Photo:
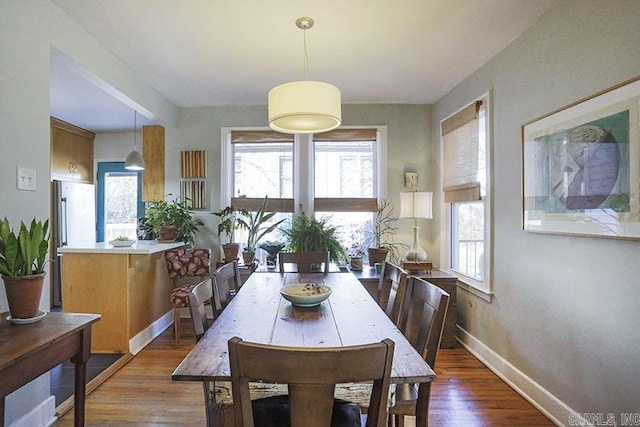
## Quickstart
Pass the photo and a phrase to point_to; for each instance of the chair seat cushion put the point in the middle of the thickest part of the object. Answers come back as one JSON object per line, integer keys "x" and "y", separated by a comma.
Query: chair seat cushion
{"x": 274, "y": 412}
{"x": 179, "y": 296}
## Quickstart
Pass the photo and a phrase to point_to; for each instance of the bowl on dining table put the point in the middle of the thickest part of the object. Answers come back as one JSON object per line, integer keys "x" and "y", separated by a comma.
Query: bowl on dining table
{"x": 305, "y": 294}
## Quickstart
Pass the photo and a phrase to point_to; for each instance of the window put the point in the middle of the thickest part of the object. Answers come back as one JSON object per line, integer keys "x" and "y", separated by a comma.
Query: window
{"x": 119, "y": 201}
{"x": 336, "y": 173}
{"x": 465, "y": 142}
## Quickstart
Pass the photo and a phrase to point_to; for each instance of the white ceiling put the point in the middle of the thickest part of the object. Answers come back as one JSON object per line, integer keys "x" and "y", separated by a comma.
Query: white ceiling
{"x": 231, "y": 52}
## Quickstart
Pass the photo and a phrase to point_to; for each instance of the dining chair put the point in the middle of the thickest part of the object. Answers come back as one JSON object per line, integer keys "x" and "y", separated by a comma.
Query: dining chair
{"x": 185, "y": 263}
{"x": 311, "y": 374}
{"x": 424, "y": 310}
{"x": 304, "y": 260}
{"x": 227, "y": 282}
{"x": 391, "y": 290}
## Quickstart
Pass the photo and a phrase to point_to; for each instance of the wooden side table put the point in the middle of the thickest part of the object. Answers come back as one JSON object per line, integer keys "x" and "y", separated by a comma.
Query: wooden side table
{"x": 445, "y": 281}
{"x": 28, "y": 351}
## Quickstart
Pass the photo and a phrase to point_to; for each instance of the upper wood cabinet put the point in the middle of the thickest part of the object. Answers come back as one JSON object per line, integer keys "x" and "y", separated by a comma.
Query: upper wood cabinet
{"x": 153, "y": 155}
{"x": 71, "y": 152}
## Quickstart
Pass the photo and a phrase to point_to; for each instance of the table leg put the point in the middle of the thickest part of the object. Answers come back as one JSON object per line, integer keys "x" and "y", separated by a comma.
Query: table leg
{"x": 422, "y": 405}
{"x": 80, "y": 363}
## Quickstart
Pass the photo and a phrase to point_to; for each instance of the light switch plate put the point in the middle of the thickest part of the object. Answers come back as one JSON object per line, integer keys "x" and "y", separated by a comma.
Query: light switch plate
{"x": 26, "y": 179}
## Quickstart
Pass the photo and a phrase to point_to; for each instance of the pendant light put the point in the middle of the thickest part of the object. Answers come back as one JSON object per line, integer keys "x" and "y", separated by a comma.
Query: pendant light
{"x": 304, "y": 106}
{"x": 134, "y": 161}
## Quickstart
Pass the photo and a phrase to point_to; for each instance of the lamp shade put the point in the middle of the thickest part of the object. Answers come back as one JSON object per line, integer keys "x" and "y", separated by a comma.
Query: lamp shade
{"x": 304, "y": 107}
{"x": 415, "y": 204}
{"x": 134, "y": 161}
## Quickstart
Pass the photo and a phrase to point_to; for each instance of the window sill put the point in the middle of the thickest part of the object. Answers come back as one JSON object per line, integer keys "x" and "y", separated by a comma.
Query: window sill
{"x": 480, "y": 293}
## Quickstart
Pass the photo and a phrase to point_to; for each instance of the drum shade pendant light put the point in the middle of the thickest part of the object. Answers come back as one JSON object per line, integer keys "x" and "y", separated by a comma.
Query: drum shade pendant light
{"x": 304, "y": 106}
{"x": 134, "y": 161}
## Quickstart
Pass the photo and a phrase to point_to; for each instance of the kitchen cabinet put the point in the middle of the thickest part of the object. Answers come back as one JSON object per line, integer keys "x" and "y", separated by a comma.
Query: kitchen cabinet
{"x": 153, "y": 155}
{"x": 71, "y": 152}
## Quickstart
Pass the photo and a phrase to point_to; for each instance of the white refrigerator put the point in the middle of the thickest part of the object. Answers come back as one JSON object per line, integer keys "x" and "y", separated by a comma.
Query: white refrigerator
{"x": 74, "y": 224}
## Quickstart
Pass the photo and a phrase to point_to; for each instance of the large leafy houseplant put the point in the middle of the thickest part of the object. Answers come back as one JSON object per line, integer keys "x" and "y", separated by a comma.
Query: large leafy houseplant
{"x": 307, "y": 234}
{"x": 255, "y": 224}
{"x": 164, "y": 216}
{"x": 22, "y": 261}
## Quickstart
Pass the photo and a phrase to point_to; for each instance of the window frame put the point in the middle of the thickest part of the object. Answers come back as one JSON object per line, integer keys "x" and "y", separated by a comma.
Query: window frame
{"x": 483, "y": 288}
{"x": 303, "y": 158}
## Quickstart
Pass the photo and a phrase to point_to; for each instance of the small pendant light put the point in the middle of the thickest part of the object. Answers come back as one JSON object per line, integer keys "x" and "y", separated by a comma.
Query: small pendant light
{"x": 134, "y": 161}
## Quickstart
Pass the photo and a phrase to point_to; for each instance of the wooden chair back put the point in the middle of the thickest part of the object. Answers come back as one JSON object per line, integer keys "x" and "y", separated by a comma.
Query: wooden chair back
{"x": 227, "y": 283}
{"x": 391, "y": 291}
{"x": 311, "y": 374}
{"x": 424, "y": 310}
{"x": 304, "y": 260}
{"x": 199, "y": 295}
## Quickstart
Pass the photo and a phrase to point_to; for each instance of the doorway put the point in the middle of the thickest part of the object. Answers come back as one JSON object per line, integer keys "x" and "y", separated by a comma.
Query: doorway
{"x": 119, "y": 201}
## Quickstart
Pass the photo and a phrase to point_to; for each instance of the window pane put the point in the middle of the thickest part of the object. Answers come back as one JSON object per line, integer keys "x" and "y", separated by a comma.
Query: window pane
{"x": 121, "y": 205}
{"x": 467, "y": 232}
{"x": 345, "y": 169}
{"x": 351, "y": 227}
{"x": 263, "y": 169}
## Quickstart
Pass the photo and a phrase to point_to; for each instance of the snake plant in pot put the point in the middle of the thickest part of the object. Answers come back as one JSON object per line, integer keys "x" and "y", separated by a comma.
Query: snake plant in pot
{"x": 22, "y": 261}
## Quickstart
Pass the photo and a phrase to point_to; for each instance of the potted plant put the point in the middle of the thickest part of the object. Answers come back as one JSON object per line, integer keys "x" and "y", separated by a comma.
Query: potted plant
{"x": 272, "y": 249}
{"x": 229, "y": 217}
{"x": 22, "y": 261}
{"x": 172, "y": 220}
{"x": 379, "y": 234}
{"x": 255, "y": 224}
{"x": 306, "y": 234}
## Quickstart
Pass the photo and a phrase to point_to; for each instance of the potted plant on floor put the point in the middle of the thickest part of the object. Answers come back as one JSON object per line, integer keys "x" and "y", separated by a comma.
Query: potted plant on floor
{"x": 228, "y": 224}
{"x": 173, "y": 220}
{"x": 255, "y": 224}
{"x": 379, "y": 234}
{"x": 306, "y": 234}
{"x": 22, "y": 261}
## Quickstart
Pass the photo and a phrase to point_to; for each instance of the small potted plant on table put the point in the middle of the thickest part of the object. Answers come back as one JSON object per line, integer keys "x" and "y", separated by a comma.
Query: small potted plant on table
{"x": 379, "y": 234}
{"x": 22, "y": 261}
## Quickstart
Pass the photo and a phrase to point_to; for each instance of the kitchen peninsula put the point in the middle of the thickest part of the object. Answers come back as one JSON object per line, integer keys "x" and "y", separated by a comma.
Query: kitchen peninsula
{"x": 128, "y": 287}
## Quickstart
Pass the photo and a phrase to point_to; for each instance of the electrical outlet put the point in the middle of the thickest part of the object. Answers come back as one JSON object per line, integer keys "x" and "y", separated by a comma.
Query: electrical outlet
{"x": 26, "y": 179}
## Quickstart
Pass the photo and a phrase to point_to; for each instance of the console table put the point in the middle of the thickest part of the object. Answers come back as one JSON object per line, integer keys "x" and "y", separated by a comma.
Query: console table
{"x": 445, "y": 281}
{"x": 28, "y": 351}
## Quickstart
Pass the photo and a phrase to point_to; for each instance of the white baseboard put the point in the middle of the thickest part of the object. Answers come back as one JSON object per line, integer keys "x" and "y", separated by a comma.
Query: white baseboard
{"x": 42, "y": 415}
{"x": 142, "y": 339}
{"x": 552, "y": 407}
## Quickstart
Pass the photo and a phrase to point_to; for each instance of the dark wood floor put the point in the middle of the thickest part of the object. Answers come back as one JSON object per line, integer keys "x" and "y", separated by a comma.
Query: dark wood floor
{"x": 466, "y": 394}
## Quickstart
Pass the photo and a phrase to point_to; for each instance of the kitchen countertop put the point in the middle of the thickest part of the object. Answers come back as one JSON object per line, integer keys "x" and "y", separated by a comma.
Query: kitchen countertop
{"x": 141, "y": 247}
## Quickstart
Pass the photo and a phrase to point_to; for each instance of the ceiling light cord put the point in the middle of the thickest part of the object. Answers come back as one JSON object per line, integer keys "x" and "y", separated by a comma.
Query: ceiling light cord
{"x": 306, "y": 55}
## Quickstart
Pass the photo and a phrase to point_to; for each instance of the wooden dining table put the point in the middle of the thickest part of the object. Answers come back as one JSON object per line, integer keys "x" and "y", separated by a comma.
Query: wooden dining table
{"x": 258, "y": 313}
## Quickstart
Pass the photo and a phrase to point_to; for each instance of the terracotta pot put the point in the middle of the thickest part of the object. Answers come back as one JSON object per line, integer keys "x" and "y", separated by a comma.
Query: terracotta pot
{"x": 168, "y": 233}
{"x": 230, "y": 251}
{"x": 247, "y": 257}
{"x": 377, "y": 255}
{"x": 23, "y": 295}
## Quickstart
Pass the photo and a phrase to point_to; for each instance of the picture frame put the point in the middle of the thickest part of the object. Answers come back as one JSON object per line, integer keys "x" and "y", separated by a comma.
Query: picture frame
{"x": 581, "y": 167}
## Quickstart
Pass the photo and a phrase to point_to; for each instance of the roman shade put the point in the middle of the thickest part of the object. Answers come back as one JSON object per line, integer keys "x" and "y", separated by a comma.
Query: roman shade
{"x": 460, "y": 141}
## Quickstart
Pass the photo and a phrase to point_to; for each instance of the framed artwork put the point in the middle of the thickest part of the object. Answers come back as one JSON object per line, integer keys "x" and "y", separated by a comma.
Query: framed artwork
{"x": 581, "y": 167}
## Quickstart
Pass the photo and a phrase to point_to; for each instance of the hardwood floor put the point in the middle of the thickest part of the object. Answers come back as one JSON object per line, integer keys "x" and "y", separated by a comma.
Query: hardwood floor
{"x": 466, "y": 394}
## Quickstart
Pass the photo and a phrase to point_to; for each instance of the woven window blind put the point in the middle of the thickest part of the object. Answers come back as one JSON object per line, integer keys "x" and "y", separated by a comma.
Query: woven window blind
{"x": 460, "y": 140}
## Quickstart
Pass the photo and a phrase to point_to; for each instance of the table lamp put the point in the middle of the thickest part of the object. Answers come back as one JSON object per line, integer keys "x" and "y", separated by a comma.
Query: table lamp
{"x": 416, "y": 204}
